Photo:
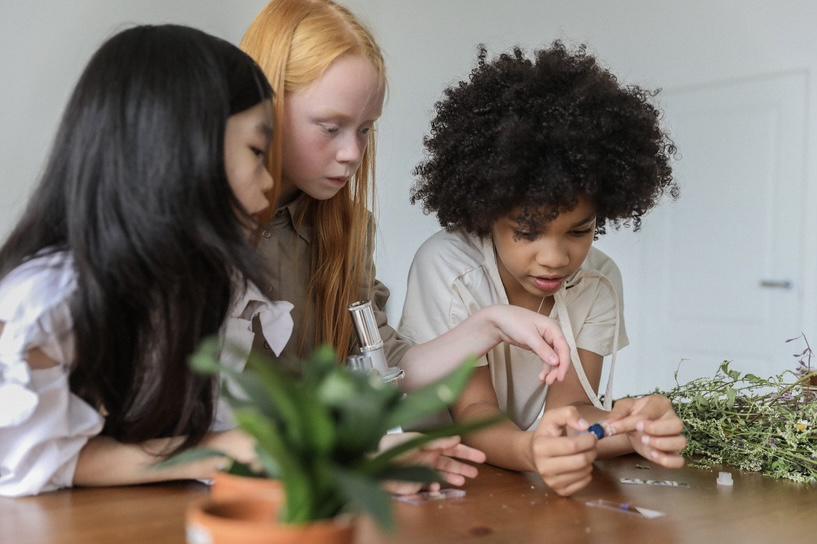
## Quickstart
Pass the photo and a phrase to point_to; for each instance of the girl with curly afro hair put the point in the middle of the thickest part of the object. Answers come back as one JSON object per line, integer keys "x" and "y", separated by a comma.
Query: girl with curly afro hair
{"x": 528, "y": 161}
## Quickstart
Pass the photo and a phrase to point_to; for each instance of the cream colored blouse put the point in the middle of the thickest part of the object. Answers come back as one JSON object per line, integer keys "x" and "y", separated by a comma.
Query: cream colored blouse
{"x": 455, "y": 274}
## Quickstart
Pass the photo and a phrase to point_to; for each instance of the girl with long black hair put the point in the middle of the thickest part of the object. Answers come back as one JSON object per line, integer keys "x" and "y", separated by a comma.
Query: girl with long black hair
{"x": 133, "y": 248}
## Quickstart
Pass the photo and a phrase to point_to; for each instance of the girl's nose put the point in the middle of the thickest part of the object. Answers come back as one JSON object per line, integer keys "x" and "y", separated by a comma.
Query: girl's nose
{"x": 551, "y": 254}
{"x": 351, "y": 149}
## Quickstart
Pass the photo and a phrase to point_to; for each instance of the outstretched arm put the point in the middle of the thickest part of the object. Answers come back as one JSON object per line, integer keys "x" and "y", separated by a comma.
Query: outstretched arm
{"x": 478, "y": 334}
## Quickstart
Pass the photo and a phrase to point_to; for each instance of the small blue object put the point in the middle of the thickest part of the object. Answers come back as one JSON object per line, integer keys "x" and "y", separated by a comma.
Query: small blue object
{"x": 597, "y": 430}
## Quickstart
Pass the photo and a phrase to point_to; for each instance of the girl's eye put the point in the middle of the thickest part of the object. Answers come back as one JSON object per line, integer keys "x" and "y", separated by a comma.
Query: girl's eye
{"x": 257, "y": 151}
{"x": 525, "y": 235}
{"x": 365, "y": 130}
{"x": 581, "y": 233}
{"x": 330, "y": 129}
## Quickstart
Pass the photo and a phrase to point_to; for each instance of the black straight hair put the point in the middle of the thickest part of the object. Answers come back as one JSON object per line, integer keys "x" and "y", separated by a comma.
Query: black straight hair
{"x": 136, "y": 191}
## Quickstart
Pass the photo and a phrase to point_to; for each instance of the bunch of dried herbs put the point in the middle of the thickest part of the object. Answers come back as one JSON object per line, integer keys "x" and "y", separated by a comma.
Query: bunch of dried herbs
{"x": 766, "y": 425}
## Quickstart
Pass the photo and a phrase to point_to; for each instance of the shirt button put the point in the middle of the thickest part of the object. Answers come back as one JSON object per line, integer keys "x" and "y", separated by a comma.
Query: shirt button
{"x": 266, "y": 346}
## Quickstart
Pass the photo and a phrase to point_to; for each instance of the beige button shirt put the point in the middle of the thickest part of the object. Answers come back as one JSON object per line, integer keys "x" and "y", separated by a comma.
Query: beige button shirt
{"x": 454, "y": 274}
{"x": 286, "y": 248}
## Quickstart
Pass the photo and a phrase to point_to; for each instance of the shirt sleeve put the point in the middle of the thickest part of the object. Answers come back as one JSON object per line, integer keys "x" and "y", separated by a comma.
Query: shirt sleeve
{"x": 606, "y": 311}
{"x": 433, "y": 305}
{"x": 43, "y": 426}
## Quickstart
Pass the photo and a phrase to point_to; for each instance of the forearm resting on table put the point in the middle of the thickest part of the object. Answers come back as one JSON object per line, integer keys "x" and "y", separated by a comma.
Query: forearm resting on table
{"x": 504, "y": 444}
{"x": 105, "y": 462}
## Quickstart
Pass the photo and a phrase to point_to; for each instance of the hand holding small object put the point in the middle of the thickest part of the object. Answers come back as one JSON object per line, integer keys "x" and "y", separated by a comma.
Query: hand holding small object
{"x": 652, "y": 427}
{"x": 565, "y": 462}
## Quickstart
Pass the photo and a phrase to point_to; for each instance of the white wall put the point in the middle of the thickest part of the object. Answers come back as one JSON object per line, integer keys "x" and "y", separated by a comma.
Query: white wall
{"x": 44, "y": 45}
{"x": 429, "y": 44}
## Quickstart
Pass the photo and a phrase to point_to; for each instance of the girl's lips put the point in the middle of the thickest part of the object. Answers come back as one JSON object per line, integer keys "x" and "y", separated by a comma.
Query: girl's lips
{"x": 548, "y": 284}
{"x": 340, "y": 182}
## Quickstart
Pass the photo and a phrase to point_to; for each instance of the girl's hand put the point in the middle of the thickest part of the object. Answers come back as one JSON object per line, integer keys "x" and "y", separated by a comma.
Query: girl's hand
{"x": 564, "y": 462}
{"x": 537, "y": 333}
{"x": 235, "y": 443}
{"x": 653, "y": 428}
{"x": 441, "y": 454}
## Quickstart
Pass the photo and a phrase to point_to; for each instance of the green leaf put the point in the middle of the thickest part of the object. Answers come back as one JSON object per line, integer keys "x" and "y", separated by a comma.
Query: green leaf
{"x": 190, "y": 456}
{"x": 433, "y": 398}
{"x": 293, "y": 474}
{"x": 337, "y": 389}
{"x": 366, "y": 494}
{"x": 730, "y": 397}
{"x": 271, "y": 467}
{"x": 319, "y": 427}
{"x": 277, "y": 391}
{"x": 206, "y": 357}
{"x": 323, "y": 356}
{"x": 268, "y": 439}
{"x": 381, "y": 460}
{"x": 753, "y": 378}
{"x": 237, "y": 468}
{"x": 360, "y": 408}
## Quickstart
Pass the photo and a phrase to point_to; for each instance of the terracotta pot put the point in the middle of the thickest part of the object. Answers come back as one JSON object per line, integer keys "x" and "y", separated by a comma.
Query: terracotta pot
{"x": 229, "y": 487}
{"x": 250, "y": 521}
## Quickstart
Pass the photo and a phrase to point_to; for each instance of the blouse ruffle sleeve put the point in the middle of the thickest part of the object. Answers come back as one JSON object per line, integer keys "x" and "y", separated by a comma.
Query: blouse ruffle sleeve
{"x": 43, "y": 426}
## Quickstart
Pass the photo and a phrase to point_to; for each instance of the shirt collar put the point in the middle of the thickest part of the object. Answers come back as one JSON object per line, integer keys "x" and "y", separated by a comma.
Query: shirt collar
{"x": 289, "y": 212}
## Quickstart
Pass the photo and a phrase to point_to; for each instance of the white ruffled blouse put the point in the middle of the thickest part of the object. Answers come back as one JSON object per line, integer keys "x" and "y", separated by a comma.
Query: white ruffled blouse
{"x": 43, "y": 425}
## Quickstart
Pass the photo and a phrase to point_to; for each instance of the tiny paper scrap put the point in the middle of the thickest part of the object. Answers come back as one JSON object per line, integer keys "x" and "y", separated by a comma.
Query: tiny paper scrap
{"x": 431, "y": 496}
{"x": 658, "y": 483}
{"x": 643, "y": 467}
{"x": 724, "y": 479}
{"x": 625, "y": 507}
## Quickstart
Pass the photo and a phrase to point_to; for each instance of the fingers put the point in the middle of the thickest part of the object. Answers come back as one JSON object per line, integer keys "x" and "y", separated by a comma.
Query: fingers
{"x": 454, "y": 467}
{"x": 545, "y": 352}
{"x": 627, "y": 424}
{"x": 668, "y": 460}
{"x": 554, "y": 336}
{"x": 573, "y": 487}
{"x": 565, "y": 463}
{"x": 667, "y": 426}
{"x": 548, "y": 446}
{"x": 452, "y": 446}
{"x": 621, "y": 409}
{"x": 452, "y": 478}
{"x": 568, "y": 483}
{"x": 402, "y": 488}
{"x": 466, "y": 453}
{"x": 555, "y": 422}
{"x": 671, "y": 444}
{"x": 442, "y": 443}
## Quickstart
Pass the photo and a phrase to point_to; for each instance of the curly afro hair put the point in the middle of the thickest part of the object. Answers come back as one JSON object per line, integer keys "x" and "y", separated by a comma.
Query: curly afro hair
{"x": 534, "y": 135}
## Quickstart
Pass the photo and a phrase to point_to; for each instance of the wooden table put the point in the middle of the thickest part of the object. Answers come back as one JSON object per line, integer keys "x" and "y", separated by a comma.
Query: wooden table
{"x": 500, "y": 507}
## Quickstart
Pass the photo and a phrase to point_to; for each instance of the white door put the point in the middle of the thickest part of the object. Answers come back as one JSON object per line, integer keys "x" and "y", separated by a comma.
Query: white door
{"x": 722, "y": 263}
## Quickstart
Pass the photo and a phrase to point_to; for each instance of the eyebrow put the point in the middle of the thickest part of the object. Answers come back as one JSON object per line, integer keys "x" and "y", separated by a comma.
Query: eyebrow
{"x": 265, "y": 129}
{"x": 588, "y": 219}
{"x": 584, "y": 221}
{"x": 338, "y": 116}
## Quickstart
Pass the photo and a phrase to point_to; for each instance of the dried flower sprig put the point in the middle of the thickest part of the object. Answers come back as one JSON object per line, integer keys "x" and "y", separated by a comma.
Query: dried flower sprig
{"x": 755, "y": 424}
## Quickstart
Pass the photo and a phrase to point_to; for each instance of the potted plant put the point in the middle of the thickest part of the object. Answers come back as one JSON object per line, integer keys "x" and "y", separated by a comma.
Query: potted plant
{"x": 317, "y": 428}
